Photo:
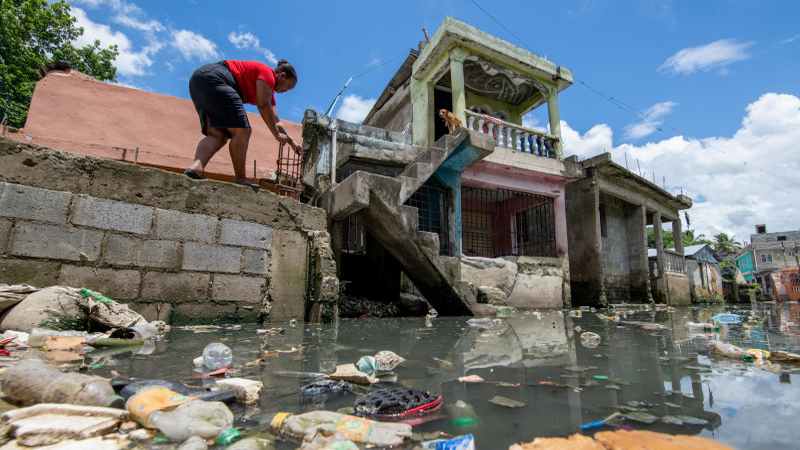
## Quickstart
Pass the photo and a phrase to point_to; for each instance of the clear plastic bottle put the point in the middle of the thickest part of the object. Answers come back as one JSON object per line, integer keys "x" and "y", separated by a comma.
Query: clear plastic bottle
{"x": 217, "y": 356}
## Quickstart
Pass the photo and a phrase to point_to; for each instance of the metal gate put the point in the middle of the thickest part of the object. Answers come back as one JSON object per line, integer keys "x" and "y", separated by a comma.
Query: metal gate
{"x": 432, "y": 200}
{"x": 502, "y": 222}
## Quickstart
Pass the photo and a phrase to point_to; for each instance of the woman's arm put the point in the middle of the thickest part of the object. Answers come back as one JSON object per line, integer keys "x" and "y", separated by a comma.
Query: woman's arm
{"x": 269, "y": 113}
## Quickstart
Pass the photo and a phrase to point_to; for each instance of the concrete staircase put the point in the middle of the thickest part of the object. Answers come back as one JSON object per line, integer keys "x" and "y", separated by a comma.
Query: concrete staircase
{"x": 380, "y": 202}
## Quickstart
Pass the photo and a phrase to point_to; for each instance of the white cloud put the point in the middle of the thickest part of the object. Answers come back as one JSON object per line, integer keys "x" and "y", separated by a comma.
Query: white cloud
{"x": 747, "y": 178}
{"x": 249, "y": 40}
{"x": 126, "y": 14}
{"x": 715, "y": 55}
{"x": 193, "y": 45}
{"x": 354, "y": 108}
{"x": 651, "y": 120}
{"x": 129, "y": 62}
{"x": 789, "y": 40}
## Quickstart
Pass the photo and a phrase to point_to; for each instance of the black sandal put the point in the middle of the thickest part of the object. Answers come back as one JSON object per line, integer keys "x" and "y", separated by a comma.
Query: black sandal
{"x": 193, "y": 175}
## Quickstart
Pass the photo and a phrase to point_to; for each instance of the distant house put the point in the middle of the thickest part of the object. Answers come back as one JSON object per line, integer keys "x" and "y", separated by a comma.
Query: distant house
{"x": 773, "y": 253}
{"x": 705, "y": 273}
{"x": 746, "y": 264}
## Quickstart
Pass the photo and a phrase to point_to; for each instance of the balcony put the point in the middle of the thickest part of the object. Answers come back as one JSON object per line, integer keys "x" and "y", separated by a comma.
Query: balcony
{"x": 513, "y": 136}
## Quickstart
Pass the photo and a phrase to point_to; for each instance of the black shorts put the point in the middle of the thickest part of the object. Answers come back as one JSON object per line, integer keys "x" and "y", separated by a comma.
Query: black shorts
{"x": 216, "y": 98}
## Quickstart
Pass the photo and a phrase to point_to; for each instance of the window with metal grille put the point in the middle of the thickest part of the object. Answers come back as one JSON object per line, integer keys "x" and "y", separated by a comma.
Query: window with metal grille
{"x": 502, "y": 222}
{"x": 432, "y": 201}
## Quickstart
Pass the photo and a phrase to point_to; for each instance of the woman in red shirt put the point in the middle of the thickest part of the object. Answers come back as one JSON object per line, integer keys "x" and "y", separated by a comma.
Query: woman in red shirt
{"x": 219, "y": 92}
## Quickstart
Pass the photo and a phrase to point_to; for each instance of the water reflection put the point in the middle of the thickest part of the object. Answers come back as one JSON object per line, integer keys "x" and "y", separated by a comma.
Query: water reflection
{"x": 536, "y": 359}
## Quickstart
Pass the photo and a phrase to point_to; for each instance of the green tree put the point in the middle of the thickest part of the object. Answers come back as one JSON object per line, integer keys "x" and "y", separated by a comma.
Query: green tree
{"x": 33, "y": 34}
{"x": 688, "y": 238}
{"x": 725, "y": 245}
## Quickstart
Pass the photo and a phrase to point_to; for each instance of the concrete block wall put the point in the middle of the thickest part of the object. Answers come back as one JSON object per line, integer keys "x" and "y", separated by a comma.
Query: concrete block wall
{"x": 218, "y": 252}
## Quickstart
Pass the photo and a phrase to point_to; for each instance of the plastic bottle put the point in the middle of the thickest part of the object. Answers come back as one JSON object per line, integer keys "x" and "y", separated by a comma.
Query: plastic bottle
{"x": 360, "y": 431}
{"x": 463, "y": 414}
{"x": 193, "y": 418}
{"x": 730, "y": 351}
{"x": 217, "y": 356}
{"x": 32, "y": 381}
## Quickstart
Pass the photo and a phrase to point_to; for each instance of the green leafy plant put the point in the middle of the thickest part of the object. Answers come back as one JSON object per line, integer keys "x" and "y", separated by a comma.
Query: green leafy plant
{"x": 34, "y": 34}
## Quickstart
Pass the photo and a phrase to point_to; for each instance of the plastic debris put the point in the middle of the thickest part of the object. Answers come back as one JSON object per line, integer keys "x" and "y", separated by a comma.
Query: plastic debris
{"x": 784, "y": 357}
{"x": 600, "y": 377}
{"x": 247, "y": 391}
{"x": 576, "y": 313}
{"x": 599, "y": 423}
{"x": 335, "y": 441}
{"x": 193, "y": 418}
{"x": 642, "y": 417}
{"x": 252, "y": 443}
{"x": 367, "y": 364}
{"x": 590, "y": 339}
{"x": 349, "y": 372}
{"x": 471, "y": 379}
{"x": 700, "y": 325}
{"x": 465, "y": 442}
{"x": 357, "y": 429}
{"x": 228, "y": 437}
{"x": 727, "y": 318}
{"x": 48, "y": 423}
{"x": 147, "y": 401}
{"x": 504, "y": 311}
{"x": 387, "y": 360}
{"x": 217, "y": 356}
{"x": 63, "y": 343}
{"x": 325, "y": 388}
{"x": 729, "y": 351}
{"x": 623, "y": 439}
{"x": 484, "y": 323}
{"x": 396, "y": 403}
{"x": 53, "y": 307}
{"x": 506, "y": 402}
{"x": 33, "y": 381}
{"x": 194, "y": 443}
{"x": 12, "y": 294}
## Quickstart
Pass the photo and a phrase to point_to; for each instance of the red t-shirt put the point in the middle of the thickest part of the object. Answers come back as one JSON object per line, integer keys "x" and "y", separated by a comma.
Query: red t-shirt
{"x": 246, "y": 74}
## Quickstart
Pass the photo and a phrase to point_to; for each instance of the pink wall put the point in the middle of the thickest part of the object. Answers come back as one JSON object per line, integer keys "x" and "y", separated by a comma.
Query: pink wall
{"x": 488, "y": 175}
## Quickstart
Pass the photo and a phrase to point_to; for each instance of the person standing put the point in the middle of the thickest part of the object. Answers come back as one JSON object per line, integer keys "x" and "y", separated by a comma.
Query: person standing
{"x": 219, "y": 92}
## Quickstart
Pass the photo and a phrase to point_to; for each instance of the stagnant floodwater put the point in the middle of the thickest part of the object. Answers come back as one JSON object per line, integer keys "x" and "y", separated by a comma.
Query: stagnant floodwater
{"x": 746, "y": 407}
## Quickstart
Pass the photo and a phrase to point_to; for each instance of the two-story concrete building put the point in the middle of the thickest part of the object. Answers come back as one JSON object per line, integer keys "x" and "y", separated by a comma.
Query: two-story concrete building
{"x": 777, "y": 262}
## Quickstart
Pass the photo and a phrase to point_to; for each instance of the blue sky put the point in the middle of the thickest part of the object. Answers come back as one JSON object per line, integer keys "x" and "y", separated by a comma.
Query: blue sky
{"x": 689, "y": 68}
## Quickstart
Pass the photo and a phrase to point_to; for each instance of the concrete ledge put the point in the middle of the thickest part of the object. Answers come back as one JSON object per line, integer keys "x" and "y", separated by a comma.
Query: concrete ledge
{"x": 46, "y": 168}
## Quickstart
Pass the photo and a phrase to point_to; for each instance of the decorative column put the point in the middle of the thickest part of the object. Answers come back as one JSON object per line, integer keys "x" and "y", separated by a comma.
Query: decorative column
{"x": 422, "y": 114}
{"x": 457, "y": 56}
{"x": 554, "y": 117}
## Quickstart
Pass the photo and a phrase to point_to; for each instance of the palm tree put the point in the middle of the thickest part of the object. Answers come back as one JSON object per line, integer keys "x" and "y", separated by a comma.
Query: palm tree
{"x": 690, "y": 239}
{"x": 725, "y": 245}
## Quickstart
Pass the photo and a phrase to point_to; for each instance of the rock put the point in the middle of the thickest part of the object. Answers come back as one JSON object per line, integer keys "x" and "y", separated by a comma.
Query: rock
{"x": 54, "y": 307}
{"x": 247, "y": 391}
{"x": 574, "y": 442}
{"x": 623, "y": 440}
{"x": 491, "y": 295}
{"x": 194, "y": 443}
{"x": 11, "y": 294}
{"x": 387, "y": 360}
{"x": 491, "y": 272}
{"x": 106, "y": 311}
{"x": 96, "y": 443}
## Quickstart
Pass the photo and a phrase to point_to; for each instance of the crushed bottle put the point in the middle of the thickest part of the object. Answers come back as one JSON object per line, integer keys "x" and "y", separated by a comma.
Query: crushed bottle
{"x": 217, "y": 356}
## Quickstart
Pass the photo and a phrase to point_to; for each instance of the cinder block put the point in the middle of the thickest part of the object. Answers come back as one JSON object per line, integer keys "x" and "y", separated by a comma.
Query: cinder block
{"x": 55, "y": 241}
{"x": 112, "y": 215}
{"x": 213, "y": 313}
{"x": 29, "y": 271}
{"x": 5, "y": 232}
{"x": 153, "y": 311}
{"x": 175, "y": 287}
{"x": 211, "y": 258}
{"x": 176, "y": 225}
{"x": 129, "y": 251}
{"x": 115, "y": 283}
{"x": 255, "y": 261}
{"x": 245, "y": 234}
{"x": 237, "y": 288}
{"x": 25, "y": 202}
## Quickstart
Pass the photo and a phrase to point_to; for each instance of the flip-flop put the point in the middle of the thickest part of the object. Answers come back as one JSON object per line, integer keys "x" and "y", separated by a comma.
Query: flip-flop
{"x": 252, "y": 186}
{"x": 193, "y": 175}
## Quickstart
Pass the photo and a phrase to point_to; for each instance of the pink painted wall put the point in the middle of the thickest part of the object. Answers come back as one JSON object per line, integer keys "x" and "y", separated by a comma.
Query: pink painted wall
{"x": 488, "y": 175}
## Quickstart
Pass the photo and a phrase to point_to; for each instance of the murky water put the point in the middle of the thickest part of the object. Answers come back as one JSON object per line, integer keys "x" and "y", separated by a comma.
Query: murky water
{"x": 536, "y": 359}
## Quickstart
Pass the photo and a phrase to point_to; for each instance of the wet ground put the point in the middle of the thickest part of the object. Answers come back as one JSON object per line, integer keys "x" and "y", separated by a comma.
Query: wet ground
{"x": 536, "y": 359}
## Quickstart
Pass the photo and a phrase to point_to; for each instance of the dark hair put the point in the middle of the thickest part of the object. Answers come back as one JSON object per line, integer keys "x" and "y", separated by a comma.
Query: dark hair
{"x": 286, "y": 68}
{"x": 63, "y": 66}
